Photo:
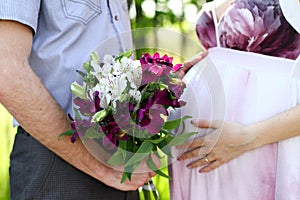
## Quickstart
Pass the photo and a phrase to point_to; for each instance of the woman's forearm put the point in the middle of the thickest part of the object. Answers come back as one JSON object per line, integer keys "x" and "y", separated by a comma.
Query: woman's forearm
{"x": 282, "y": 126}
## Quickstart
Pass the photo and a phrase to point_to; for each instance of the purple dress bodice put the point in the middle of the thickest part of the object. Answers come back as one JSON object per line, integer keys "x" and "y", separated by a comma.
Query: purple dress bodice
{"x": 251, "y": 25}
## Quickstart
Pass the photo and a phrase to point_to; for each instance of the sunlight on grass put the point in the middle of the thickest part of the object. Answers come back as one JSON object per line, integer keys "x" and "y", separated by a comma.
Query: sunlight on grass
{"x": 161, "y": 183}
{"x": 6, "y": 141}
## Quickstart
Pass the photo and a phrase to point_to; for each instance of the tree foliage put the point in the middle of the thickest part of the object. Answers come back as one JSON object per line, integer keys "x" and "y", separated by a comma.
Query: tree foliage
{"x": 164, "y": 14}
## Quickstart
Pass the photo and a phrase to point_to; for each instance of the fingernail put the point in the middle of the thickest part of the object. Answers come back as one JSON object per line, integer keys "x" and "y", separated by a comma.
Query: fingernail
{"x": 193, "y": 121}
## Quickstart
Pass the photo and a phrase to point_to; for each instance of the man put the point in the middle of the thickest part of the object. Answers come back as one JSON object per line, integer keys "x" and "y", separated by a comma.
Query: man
{"x": 42, "y": 45}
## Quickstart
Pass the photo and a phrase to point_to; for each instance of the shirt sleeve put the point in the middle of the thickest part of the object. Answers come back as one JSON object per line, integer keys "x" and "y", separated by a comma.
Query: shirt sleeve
{"x": 23, "y": 11}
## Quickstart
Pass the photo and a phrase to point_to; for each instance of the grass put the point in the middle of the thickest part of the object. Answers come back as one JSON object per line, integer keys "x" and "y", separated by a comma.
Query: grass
{"x": 6, "y": 141}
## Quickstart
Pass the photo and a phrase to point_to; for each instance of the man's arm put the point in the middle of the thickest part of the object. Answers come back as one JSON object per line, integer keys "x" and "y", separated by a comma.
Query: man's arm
{"x": 25, "y": 97}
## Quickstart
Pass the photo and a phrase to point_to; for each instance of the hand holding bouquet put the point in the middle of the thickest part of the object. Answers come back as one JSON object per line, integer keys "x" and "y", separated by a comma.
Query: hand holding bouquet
{"x": 123, "y": 105}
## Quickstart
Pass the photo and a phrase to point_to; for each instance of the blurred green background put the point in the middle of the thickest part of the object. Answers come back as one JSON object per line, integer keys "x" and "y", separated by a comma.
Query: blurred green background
{"x": 6, "y": 141}
{"x": 174, "y": 15}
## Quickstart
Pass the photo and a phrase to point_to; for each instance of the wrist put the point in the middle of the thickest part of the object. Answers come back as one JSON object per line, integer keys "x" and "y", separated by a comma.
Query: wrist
{"x": 82, "y": 159}
{"x": 253, "y": 133}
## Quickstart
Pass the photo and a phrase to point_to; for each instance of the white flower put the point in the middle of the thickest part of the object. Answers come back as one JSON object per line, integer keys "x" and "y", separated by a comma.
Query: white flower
{"x": 135, "y": 74}
{"x": 117, "y": 69}
{"x": 114, "y": 77}
{"x": 108, "y": 59}
{"x": 105, "y": 101}
{"x": 118, "y": 85}
{"x": 126, "y": 63}
{"x": 96, "y": 66}
{"x": 107, "y": 69}
{"x": 136, "y": 95}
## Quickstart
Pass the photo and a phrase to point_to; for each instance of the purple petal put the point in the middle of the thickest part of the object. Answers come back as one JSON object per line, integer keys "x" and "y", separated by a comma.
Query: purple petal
{"x": 205, "y": 30}
{"x": 110, "y": 142}
{"x": 157, "y": 70}
{"x": 176, "y": 67}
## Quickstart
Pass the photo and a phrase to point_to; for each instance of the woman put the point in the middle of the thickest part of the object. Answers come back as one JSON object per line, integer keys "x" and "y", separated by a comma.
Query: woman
{"x": 254, "y": 153}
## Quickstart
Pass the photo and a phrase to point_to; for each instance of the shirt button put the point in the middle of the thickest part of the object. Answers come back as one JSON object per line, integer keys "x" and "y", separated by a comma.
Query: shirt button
{"x": 116, "y": 17}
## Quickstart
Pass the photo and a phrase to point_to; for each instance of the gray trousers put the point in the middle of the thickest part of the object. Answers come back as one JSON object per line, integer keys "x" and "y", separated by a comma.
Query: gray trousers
{"x": 37, "y": 173}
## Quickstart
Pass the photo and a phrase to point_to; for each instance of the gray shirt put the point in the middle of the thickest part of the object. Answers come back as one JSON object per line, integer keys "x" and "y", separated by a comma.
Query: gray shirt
{"x": 65, "y": 33}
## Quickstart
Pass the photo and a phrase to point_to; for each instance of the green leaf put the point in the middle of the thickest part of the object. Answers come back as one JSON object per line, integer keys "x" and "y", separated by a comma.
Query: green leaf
{"x": 156, "y": 141}
{"x": 82, "y": 74}
{"x": 126, "y": 175}
{"x": 78, "y": 90}
{"x": 128, "y": 170}
{"x": 67, "y": 133}
{"x": 99, "y": 116}
{"x": 163, "y": 146}
{"x": 173, "y": 124}
{"x": 92, "y": 133}
{"x": 87, "y": 66}
{"x": 95, "y": 57}
{"x": 179, "y": 139}
{"x": 77, "y": 114}
{"x": 116, "y": 158}
{"x": 144, "y": 150}
{"x": 123, "y": 97}
{"x": 127, "y": 53}
{"x": 153, "y": 167}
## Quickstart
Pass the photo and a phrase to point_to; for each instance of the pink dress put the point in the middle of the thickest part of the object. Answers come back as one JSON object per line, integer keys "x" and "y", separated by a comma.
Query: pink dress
{"x": 246, "y": 87}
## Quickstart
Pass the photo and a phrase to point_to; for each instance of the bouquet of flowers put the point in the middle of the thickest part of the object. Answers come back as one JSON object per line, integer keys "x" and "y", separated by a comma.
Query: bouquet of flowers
{"x": 124, "y": 104}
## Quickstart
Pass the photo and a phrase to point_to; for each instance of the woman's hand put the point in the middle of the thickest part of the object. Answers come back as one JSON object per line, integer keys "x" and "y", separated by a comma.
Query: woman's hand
{"x": 227, "y": 141}
{"x": 190, "y": 63}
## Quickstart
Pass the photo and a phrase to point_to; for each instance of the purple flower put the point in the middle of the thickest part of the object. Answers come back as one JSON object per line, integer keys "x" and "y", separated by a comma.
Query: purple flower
{"x": 176, "y": 67}
{"x": 176, "y": 86}
{"x": 150, "y": 118}
{"x": 80, "y": 126}
{"x": 156, "y": 59}
{"x": 73, "y": 127}
{"x": 143, "y": 117}
{"x": 85, "y": 106}
{"x": 147, "y": 75}
{"x": 123, "y": 115}
{"x": 88, "y": 106}
{"x": 113, "y": 133}
{"x": 110, "y": 142}
{"x": 154, "y": 67}
{"x": 97, "y": 101}
{"x": 252, "y": 25}
{"x": 164, "y": 98}
{"x": 156, "y": 121}
{"x": 149, "y": 115}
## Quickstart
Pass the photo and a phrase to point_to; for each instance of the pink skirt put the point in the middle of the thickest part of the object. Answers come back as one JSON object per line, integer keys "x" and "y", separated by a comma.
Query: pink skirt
{"x": 246, "y": 88}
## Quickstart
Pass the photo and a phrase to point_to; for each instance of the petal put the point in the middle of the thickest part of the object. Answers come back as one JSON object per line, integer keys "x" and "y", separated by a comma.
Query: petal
{"x": 109, "y": 142}
{"x": 156, "y": 56}
{"x": 176, "y": 67}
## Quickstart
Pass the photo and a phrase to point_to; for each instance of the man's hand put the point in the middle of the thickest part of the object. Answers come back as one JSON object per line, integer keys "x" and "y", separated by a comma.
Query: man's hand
{"x": 25, "y": 97}
{"x": 140, "y": 176}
